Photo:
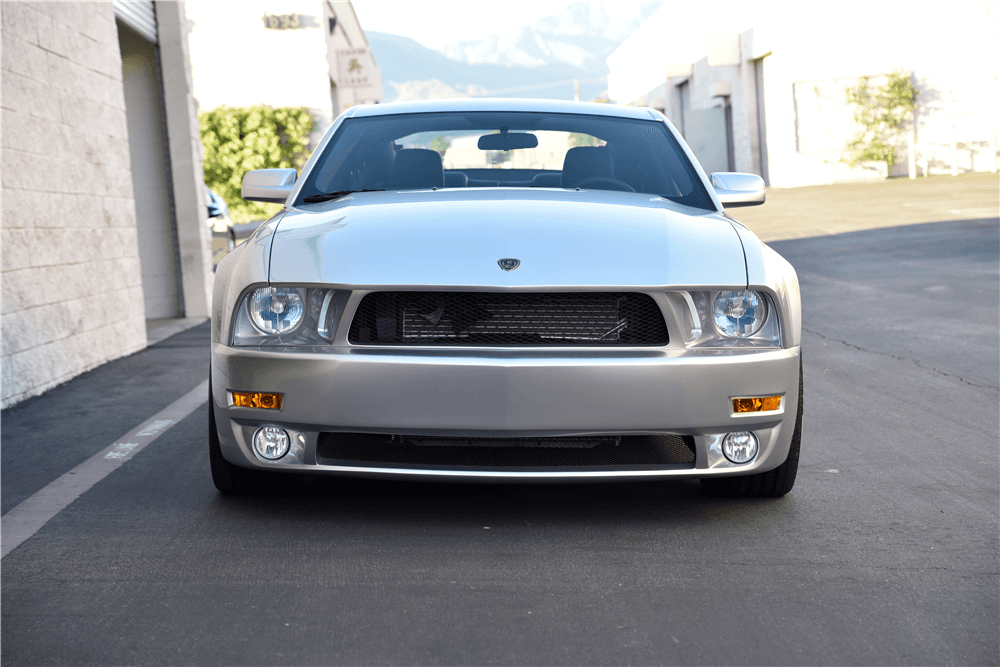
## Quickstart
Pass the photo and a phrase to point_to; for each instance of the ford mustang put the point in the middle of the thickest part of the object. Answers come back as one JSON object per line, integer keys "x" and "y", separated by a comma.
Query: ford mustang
{"x": 506, "y": 291}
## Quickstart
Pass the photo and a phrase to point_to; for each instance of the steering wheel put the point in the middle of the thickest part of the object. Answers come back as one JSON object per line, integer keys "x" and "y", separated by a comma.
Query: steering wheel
{"x": 604, "y": 183}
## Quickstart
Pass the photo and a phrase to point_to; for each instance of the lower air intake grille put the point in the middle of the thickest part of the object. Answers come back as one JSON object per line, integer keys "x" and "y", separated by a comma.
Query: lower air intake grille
{"x": 484, "y": 453}
{"x": 490, "y": 319}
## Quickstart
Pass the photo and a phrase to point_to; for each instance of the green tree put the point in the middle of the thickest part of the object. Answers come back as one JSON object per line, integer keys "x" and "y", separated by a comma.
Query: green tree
{"x": 498, "y": 157}
{"x": 441, "y": 144}
{"x": 882, "y": 113}
{"x": 241, "y": 139}
{"x": 581, "y": 139}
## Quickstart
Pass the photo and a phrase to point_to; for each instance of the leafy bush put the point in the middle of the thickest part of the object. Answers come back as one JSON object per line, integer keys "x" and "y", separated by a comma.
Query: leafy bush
{"x": 441, "y": 144}
{"x": 240, "y": 139}
{"x": 581, "y": 139}
{"x": 882, "y": 112}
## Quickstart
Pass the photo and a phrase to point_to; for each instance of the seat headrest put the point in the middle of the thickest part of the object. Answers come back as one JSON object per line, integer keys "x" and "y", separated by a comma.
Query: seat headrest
{"x": 583, "y": 162}
{"x": 417, "y": 168}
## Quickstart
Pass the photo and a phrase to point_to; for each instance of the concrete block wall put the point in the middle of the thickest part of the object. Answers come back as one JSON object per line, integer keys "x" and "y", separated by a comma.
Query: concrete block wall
{"x": 72, "y": 286}
{"x": 186, "y": 156}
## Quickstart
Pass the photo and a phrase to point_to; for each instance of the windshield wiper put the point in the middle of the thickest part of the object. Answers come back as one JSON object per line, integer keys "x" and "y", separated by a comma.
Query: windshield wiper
{"x": 327, "y": 196}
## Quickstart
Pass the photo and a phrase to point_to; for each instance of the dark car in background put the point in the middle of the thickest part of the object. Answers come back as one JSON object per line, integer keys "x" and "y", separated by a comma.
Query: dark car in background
{"x": 218, "y": 218}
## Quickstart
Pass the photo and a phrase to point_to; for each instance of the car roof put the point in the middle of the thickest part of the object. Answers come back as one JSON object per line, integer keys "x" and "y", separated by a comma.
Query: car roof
{"x": 501, "y": 104}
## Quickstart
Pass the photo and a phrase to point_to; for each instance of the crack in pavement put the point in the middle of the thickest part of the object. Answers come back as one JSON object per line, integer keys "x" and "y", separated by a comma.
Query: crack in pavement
{"x": 899, "y": 358}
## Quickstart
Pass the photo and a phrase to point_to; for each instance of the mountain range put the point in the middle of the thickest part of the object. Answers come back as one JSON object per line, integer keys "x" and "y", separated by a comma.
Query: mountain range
{"x": 541, "y": 59}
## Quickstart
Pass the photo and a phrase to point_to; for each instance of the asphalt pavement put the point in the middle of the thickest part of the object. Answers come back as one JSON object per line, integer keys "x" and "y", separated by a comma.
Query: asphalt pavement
{"x": 885, "y": 552}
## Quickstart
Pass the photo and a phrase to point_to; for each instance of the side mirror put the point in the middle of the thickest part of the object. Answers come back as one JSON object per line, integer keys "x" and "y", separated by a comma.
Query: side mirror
{"x": 736, "y": 189}
{"x": 271, "y": 185}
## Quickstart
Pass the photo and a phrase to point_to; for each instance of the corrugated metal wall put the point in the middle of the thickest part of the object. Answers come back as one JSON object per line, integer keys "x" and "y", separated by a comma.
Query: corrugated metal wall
{"x": 138, "y": 15}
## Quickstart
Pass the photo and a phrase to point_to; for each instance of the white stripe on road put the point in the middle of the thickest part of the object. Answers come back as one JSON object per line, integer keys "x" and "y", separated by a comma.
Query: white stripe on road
{"x": 30, "y": 515}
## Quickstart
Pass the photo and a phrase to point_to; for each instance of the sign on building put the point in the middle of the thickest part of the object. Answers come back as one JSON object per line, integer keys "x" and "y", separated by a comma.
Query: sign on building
{"x": 282, "y": 22}
{"x": 356, "y": 68}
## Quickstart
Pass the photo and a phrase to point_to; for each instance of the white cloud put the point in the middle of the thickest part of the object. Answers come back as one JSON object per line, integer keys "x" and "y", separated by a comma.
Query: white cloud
{"x": 435, "y": 23}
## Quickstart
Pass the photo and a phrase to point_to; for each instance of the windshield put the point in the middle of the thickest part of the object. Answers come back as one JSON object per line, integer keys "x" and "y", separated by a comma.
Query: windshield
{"x": 505, "y": 149}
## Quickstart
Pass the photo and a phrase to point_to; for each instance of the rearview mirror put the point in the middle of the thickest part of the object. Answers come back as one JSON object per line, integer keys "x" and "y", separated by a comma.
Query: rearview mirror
{"x": 271, "y": 185}
{"x": 736, "y": 189}
{"x": 507, "y": 141}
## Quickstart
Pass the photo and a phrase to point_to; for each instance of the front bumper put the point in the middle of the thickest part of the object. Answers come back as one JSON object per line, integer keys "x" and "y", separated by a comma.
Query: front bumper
{"x": 504, "y": 393}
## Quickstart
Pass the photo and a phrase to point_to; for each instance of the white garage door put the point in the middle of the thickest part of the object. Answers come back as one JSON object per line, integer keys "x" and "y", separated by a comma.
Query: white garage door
{"x": 705, "y": 132}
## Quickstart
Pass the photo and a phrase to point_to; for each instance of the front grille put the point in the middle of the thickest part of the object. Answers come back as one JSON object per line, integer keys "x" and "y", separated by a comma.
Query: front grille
{"x": 614, "y": 452}
{"x": 502, "y": 319}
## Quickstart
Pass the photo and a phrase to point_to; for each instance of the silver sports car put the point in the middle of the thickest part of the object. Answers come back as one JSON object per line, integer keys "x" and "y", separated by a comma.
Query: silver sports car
{"x": 505, "y": 291}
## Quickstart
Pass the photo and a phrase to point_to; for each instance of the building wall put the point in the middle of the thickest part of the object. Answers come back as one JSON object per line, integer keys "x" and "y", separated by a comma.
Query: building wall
{"x": 954, "y": 57}
{"x": 72, "y": 276}
{"x": 347, "y": 33}
{"x": 807, "y": 65}
{"x": 184, "y": 147}
{"x": 72, "y": 286}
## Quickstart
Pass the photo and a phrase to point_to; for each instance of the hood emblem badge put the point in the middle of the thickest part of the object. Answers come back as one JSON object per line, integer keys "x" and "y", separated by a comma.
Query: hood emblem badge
{"x": 509, "y": 263}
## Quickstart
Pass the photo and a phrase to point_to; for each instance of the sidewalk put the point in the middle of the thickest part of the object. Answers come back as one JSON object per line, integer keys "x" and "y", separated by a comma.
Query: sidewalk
{"x": 48, "y": 435}
{"x": 821, "y": 210}
{"x": 157, "y": 330}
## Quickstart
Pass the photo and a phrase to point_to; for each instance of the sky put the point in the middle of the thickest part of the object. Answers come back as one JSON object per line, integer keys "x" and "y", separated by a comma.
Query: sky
{"x": 435, "y": 23}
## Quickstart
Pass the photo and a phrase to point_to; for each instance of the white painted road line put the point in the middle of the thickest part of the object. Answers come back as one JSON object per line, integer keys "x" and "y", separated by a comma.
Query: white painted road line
{"x": 30, "y": 515}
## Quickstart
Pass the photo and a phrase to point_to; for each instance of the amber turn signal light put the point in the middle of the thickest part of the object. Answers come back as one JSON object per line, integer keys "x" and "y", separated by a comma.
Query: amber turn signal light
{"x": 761, "y": 404}
{"x": 253, "y": 399}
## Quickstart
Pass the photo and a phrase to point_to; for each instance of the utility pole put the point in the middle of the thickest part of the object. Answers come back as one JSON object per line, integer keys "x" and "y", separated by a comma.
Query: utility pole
{"x": 576, "y": 89}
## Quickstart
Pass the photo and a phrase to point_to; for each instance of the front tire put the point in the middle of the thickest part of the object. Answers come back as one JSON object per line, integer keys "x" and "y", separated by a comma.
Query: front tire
{"x": 231, "y": 480}
{"x": 770, "y": 484}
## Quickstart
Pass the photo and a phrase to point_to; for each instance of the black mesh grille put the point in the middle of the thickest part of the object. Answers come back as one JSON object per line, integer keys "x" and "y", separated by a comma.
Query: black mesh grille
{"x": 486, "y": 453}
{"x": 503, "y": 319}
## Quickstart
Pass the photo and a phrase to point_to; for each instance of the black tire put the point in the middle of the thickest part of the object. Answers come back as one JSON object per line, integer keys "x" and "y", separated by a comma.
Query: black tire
{"x": 770, "y": 484}
{"x": 230, "y": 479}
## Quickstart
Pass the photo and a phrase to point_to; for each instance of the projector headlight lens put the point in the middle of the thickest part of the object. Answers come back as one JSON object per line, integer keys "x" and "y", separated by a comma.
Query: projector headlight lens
{"x": 739, "y": 314}
{"x": 276, "y": 310}
{"x": 288, "y": 316}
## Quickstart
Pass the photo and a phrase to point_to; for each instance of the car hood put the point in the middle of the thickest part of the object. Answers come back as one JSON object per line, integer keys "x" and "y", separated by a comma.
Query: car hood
{"x": 455, "y": 238}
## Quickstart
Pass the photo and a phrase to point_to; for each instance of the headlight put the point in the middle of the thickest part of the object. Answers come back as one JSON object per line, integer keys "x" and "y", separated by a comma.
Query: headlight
{"x": 288, "y": 316}
{"x": 739, "y": 314}
{"x": 275, "y": 310}
{"x": 741, "y": 319}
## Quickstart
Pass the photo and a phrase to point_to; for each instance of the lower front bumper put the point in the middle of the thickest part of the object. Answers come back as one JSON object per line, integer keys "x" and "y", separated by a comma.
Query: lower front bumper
{"x": 506, "y": 394}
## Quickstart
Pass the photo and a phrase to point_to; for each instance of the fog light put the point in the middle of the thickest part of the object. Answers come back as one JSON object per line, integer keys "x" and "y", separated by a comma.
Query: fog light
{"x": 740, "y": 447}
{"x": 271, "y": 442}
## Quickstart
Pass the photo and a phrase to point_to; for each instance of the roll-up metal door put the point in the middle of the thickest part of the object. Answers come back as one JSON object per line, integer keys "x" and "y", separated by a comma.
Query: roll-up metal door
{"x": 138, "y": 15}
{"x": 706, "y": 135}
